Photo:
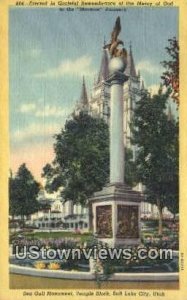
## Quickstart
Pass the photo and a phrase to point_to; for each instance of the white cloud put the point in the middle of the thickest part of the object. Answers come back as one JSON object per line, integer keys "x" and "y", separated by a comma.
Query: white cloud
{"x": 35, "y": 52}
{"x": 77, "y": 67}
{"x": 27, "y": 107}
{"x": 36, "y": 130}
{"x": 50, "y": 111}
{"x": 149, "y": 67}
{"x": 40, "y": 109}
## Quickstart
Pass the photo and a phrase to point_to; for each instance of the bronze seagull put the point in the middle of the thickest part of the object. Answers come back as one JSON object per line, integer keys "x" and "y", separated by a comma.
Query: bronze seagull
{"x": 115, "y": 42}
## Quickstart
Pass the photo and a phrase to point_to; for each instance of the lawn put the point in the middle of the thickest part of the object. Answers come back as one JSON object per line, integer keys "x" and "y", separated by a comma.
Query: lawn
{"x": 63, "y": 234}
{"x": 149, "y": 228}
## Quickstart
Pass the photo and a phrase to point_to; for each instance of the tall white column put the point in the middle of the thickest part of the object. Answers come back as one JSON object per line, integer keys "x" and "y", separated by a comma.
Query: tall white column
{"x": 117, "y": 154}
{"x": 117, "y": 147}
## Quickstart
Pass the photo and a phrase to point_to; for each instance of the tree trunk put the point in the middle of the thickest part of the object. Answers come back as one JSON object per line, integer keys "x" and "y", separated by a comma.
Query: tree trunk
{"x": 23, "y": 220}
{"x": 160, "y": 225}
{"x": 90, "y": 216}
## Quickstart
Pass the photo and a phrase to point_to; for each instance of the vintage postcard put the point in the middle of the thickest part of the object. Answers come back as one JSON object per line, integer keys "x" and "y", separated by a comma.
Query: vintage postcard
{"x": 93, "y": 149}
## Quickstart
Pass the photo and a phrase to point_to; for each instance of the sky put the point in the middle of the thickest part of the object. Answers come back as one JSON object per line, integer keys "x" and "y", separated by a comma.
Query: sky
{"x": 50, "y": 51}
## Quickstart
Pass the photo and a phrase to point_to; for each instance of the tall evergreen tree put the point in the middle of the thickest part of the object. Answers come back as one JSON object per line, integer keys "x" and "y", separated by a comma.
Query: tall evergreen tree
{"x": 23, "y": 192}
{"x": 157, "y": 158}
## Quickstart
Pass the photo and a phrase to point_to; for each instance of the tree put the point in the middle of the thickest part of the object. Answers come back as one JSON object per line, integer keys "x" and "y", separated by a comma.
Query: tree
{"x": 81, "y": 164}
{"x": 170, "y": 76}
{"x": 23, "y": 192}
{"x": 157, "y": 157}
{"x": 12, "y": 202}
{"x": 130, "y": 168}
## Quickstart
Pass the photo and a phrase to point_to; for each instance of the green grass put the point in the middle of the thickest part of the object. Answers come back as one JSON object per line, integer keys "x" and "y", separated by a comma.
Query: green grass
{"x": 44, "y": 235}
{"x": 150, "y": 230}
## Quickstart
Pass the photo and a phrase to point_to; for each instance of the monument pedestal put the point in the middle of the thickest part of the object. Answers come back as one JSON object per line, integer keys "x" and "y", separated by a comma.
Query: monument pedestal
{"x": 116, "y": 215}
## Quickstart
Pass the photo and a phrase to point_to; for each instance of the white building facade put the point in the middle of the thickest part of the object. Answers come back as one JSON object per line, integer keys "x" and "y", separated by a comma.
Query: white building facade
{"x": 59, "y": 215}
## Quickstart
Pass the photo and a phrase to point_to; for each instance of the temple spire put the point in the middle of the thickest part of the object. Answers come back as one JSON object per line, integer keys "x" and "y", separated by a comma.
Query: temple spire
{"x": 130, "y": 70}
{"x": 142, "y": 85}
{"x": 103, "y": 72}
{"x": 104, "y": 42}
{"x": 84, "y": 95}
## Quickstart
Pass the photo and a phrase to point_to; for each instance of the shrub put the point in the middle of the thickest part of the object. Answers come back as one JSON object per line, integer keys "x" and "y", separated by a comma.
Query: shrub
{"x": 54, "y": 266}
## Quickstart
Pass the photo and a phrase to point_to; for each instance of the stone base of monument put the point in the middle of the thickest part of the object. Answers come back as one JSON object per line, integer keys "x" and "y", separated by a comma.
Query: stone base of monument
{"x": 116, "y": 215}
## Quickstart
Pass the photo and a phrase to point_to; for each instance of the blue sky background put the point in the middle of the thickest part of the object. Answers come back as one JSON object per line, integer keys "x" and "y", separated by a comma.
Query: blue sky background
{"x": 50, "y": 50}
